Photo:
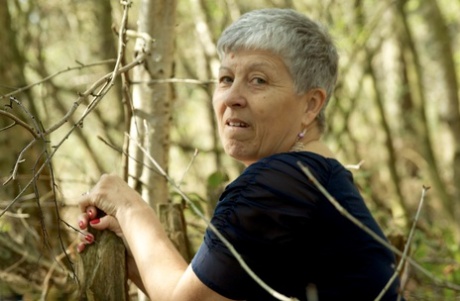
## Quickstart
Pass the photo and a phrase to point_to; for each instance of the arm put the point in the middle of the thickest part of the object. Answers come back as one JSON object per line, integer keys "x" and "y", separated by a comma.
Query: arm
{"x": 162, "y": 270}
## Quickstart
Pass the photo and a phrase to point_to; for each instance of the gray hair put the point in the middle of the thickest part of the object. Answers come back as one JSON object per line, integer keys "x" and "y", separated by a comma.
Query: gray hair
{"x": 305, "y": 46}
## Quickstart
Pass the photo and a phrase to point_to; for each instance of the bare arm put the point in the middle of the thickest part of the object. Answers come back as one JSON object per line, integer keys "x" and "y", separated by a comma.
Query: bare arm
{"x": 165, "y": 275}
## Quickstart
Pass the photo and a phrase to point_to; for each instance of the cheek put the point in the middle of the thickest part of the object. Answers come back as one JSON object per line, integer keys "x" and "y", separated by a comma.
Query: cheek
{"x": 217, "y": 108}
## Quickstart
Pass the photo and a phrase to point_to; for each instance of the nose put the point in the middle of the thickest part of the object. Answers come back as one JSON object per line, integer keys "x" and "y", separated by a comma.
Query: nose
{"x": 235, "y": 96}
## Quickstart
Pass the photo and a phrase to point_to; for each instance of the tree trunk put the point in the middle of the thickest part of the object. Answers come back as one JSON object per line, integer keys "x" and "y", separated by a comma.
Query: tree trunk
{"x": 425, "y": 133}
{"x": 151, "y": 121}
{"x": 150, "y": 125}
{"x": 440, "y": 34}
{"x": 102, "y": 269}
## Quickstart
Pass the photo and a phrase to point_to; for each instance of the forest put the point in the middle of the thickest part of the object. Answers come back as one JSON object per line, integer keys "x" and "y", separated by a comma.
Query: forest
{"x": 125, "y": 87}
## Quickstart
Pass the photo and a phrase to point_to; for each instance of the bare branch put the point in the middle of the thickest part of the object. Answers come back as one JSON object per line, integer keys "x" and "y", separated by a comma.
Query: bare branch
{"x": 355, "y": 166}
{"x": 18, "y": 121}
{"x": 406, "y": 247}
{"x": 176, "y": 80}
{"x": 79, "y": 67}
{"x": 230, "y": 247}
{"x": 379, "y": 239}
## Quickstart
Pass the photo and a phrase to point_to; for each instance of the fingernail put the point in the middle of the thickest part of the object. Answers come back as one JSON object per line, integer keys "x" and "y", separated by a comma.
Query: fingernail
{"x": 94, "y": 221}
{"x": 80, "y": 248}
{"x": 89, "y": 238}
{"x": 80, "y": 224}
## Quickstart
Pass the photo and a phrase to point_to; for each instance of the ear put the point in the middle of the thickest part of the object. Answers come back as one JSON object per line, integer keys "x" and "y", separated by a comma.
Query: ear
{"x": 314, "y": 99}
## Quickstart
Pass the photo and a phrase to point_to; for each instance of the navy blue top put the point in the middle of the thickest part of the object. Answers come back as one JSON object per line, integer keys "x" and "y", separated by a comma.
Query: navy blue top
{"x": 291, "y": 235}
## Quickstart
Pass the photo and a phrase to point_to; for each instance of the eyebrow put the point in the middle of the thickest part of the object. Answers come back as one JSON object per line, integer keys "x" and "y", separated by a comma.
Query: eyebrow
{"x": 250, "y": 67}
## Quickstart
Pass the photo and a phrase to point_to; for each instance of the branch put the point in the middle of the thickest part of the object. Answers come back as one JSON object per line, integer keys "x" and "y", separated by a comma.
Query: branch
{"x": 176, "y": 80}
{"x": 366, "y": 229}
{"x": 38, "y": 131}
{"x": 406, "y": 247}
{"x": 79, "y": 67}
{"x": 139, "y": 59}
{"x": 19, "y": 122}
{"x": 238, "y": 257}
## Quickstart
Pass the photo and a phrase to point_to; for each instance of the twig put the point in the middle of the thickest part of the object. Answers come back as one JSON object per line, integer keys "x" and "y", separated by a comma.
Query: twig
{"x": 15, "y": 265}
{"x": 406, "y": 247}
{"x": 366, "y": 229}
{"x": 90, "y": 91}
{"x": 238, "y": 257}
{"x": 17, "y": 215}
{"x": 47, "y": 278}
{"x": 355, "y": 166}
{"x": 26, "y": 225}
{"x": 176, "y": 80}
{"x": 57, "y": 125}
{"x": 181, "y": 181}
{"x": 122, "y": 151}
{"x": 79, "y": 67}
{"x": 16, "y": 120}
{"x": 38, "y": 135}
{"x": 19, "y": 161}
{"x": 72, "y": 227}
{"x": 121, "y": 50}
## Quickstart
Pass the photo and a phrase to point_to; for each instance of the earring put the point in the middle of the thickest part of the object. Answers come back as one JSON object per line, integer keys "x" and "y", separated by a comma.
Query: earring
{"x": 298, "y": 145}
{"x": 301, "y": 134}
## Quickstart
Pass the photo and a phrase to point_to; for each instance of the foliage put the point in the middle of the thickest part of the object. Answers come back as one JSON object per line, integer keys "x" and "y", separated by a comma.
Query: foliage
{"x": 396, "y": 107}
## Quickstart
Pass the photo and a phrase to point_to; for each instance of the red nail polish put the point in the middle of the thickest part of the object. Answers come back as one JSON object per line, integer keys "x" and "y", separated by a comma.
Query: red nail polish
{"x": 94, "y": 221}
{"x": 89, "y": 238}
{"x": 80, "y": 224}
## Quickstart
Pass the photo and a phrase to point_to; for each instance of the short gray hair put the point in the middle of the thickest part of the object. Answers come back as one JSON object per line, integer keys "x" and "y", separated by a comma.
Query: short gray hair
{"x": 305, "y": 46}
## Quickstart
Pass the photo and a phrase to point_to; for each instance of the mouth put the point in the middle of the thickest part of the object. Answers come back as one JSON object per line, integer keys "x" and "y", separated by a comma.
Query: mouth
{"x": 236, "y": 124}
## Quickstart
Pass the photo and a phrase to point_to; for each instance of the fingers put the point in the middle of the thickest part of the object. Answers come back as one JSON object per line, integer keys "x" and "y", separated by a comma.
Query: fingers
{"x": 84, "y": 219}
{"x": 84, "y": 201}
{"x": 85, "y": 238}
{"x": 91, "y": 211}
{"x": 107, "y": 222}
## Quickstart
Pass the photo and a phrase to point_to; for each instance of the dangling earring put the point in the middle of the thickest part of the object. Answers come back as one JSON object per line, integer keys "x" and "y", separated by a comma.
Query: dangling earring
{"x": 298, "y": 145}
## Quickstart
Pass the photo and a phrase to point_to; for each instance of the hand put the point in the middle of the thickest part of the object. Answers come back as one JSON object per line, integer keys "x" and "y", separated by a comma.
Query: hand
{"x": 100, "y": 206}
{"x": 90, "y": 219}
{"x": 111, "y": 195}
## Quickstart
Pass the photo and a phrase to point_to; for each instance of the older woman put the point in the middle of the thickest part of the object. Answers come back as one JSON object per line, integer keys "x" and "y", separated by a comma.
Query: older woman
{"x": 278, "y": 71}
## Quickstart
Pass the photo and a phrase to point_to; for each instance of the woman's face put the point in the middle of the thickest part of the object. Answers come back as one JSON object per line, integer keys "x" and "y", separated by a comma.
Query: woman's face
{"x": 257, "y": 109}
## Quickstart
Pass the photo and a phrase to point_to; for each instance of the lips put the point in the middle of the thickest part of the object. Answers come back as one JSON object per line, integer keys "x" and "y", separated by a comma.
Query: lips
{"x": 236, "y": 123}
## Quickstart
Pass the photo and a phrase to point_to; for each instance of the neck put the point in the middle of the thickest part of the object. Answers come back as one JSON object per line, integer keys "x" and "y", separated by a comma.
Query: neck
{"x": 312, "y": 143}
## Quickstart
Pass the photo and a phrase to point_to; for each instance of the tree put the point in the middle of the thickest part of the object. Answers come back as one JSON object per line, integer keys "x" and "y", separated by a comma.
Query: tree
{"x": 70, "y": 65}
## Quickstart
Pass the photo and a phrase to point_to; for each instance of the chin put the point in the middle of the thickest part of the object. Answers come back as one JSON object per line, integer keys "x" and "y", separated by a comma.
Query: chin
{"x": 244, "y": 159}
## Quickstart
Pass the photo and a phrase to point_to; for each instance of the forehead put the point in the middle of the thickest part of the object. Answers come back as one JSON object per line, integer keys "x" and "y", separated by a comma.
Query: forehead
{"x": 253, "y": 59}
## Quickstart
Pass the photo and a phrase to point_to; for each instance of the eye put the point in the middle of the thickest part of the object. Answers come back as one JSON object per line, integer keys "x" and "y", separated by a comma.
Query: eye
{"x": 258, "y": 81}
{"x": 225, "y": 79}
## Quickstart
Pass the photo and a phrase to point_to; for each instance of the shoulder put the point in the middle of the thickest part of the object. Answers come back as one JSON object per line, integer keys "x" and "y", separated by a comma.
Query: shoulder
{"x": 279, "y": 180}
{"x": 287, "y": 167}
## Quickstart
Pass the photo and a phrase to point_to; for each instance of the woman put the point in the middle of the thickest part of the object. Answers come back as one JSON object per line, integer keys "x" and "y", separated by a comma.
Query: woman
{"x": 278, "y": 71}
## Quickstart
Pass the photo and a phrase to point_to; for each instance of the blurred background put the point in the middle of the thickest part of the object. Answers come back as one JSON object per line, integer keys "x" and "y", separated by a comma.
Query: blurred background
{"x": 395, "y": 115}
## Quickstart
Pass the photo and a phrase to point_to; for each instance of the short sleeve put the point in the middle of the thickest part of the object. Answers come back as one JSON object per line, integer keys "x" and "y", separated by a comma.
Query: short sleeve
{"x": 220, "y": 272}
{"x": 262, "y": 214}
{"x": 291, "y": 236}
